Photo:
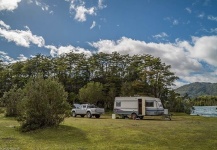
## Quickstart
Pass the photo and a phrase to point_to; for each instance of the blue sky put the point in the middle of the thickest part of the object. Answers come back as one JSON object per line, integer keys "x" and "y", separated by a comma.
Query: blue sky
{"x": 183, "y": 33}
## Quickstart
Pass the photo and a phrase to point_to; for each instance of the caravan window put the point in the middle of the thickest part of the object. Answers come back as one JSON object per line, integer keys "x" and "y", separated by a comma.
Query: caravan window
{"x": 149, "y": 104}
{"x": 118, "y": 104}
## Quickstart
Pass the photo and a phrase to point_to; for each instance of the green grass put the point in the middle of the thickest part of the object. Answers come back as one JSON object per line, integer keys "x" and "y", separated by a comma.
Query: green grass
{"x": 182, "y": 133}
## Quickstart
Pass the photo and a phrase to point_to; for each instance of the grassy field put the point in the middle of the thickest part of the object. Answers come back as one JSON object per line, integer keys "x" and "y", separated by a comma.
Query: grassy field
{"x": 182, "y": 133}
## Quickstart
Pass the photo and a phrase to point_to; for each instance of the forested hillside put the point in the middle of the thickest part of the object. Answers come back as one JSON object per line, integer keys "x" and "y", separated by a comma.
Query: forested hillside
{"x": 198, "y": 89}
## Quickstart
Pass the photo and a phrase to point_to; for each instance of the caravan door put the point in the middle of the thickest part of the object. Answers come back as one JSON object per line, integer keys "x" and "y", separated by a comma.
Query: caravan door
{"x": 141, "y": 106}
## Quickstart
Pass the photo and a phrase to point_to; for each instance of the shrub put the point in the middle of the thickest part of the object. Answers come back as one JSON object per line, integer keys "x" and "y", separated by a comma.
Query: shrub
{"x": 10, "y": 100}
{"x": 44, "y": 104}
{"x": 2, "y": 110}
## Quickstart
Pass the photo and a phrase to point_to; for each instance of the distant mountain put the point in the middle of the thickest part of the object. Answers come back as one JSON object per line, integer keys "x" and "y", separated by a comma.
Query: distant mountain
{"x": 198, "y": 89}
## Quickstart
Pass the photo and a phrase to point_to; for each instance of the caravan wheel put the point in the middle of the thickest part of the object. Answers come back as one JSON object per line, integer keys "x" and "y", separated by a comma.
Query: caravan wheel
{"x": 141, "y": 117}
{"x": 133, "y": 116}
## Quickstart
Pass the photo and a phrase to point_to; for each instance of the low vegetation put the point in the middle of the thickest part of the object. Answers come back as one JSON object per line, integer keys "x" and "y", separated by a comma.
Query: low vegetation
{"x": 183, "y": 132}
{"x": 41, "y": 103}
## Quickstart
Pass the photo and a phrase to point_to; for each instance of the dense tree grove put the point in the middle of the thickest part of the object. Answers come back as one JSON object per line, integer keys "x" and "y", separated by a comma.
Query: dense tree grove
{"x": 120, "y": 75}
{"x": 108, "y": 75}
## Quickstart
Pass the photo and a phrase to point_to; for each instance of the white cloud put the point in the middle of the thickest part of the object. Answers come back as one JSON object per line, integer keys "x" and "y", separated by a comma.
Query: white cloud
{"x": 57, "y": 51}
{"x": 213, "y": 30}
{"x": 213, "y": 18}
{"x": 2, "y": 53}
{"x": 172, "y": 20}
{"x": 4, "y": 25}
{"x": 22, "y": 57}
{"x": 188, "y": 10}
{"x": 5, "y": 58}
{"x": 175, "y": 22}
{"x": 172, "y": 54}
{"x": 43, "y": 6}
{"x": 78, "y": 6}
{"x": 81, "y": 13}
{"x": 200, "y": 77}
{"x": 161, "y": 35}
{"x": 21, "y": 37}
{"x": 201, "y": 15}
{"x": 51, "y": 12}
{"x": 100, "y": 4}
{"x": 93, "y": 25}
{"x": 29, "y": 1}
{"x": 9, "y": 5}
{"x": 204, "y": 77}
{"x": 205, "y": 49}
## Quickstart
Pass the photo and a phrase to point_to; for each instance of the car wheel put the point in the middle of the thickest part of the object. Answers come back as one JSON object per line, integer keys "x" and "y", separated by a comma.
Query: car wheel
{"x": 97, "y": 116}
{"x": 89, "y": 115}
{"x": 74, "y": 114}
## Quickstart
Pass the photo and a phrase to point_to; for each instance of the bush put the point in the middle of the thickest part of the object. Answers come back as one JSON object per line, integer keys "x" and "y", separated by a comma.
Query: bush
{"x": 43, "y": 105}
{"x": 10, "y": 100}
{"x": 2, "y": 110}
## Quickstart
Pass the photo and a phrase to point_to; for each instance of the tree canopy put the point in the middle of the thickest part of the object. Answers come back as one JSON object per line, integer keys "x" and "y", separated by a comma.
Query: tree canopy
{"x": 91, "y": 93}
{"x": 120, "y": 75}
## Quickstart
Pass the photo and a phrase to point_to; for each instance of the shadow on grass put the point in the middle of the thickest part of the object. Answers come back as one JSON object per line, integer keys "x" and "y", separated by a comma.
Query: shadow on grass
{"x": 152, "y": 119}
{"x": 103, "y": 117}
{"x": 147, "y": 119}
{"x": 62, "y": 134}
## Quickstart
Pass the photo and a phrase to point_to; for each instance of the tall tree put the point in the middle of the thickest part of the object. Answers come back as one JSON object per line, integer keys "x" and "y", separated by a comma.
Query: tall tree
{"x": 91, "y": 93}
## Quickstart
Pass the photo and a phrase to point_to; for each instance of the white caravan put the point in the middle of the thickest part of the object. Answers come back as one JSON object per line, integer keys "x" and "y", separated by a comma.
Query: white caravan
{"x": 138, "y": 107}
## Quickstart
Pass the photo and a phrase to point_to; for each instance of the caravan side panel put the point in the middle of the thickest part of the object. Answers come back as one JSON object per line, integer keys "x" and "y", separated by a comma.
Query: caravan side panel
{"x": 125, "y": 105}
{"x": 154, "y": 107}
